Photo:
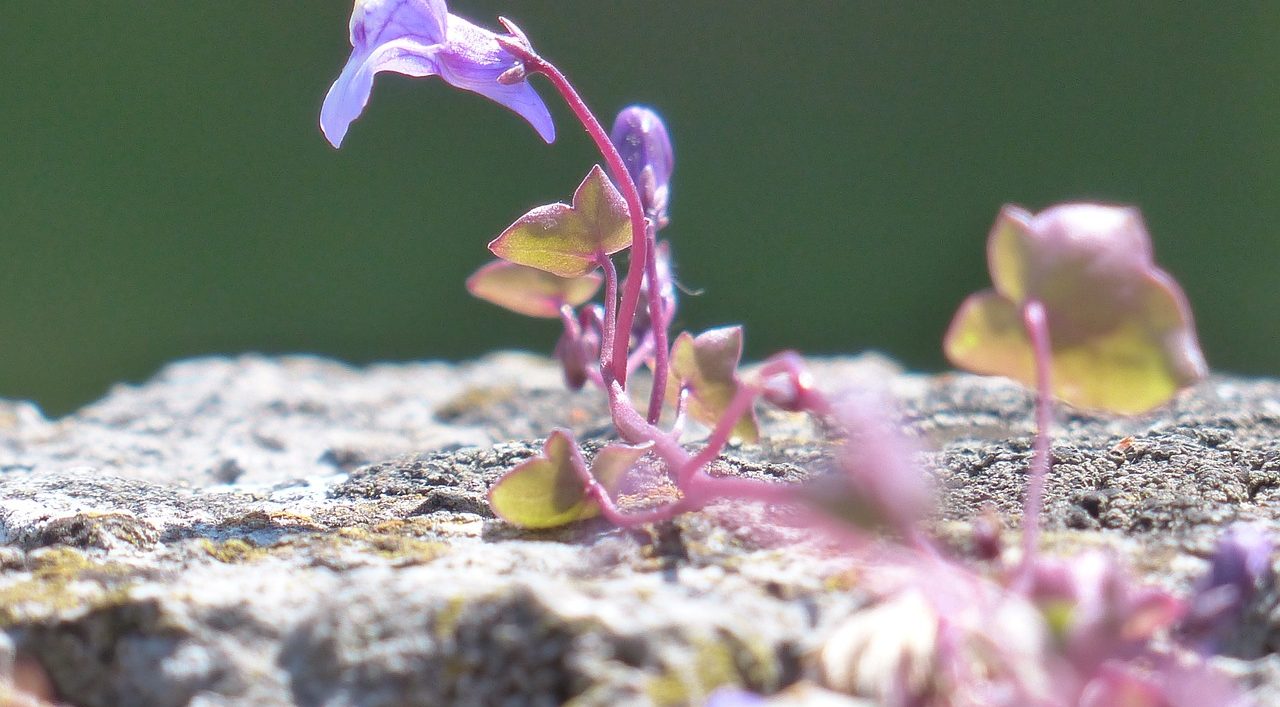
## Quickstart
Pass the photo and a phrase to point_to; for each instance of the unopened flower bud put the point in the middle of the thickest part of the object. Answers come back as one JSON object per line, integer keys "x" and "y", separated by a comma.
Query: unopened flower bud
{"x": 574, "y": 355}
{"x": 642, "y": 140}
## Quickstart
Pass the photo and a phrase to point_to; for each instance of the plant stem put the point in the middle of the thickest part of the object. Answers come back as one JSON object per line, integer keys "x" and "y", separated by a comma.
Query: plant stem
{"x": 1036, "y": 323}
{"x": 642, "y": 351}
{"x": 626, "y": 312}
{"x": 736, "y": 408}
{"x": 658, "y": 324}
{"x": 610, "y": 311}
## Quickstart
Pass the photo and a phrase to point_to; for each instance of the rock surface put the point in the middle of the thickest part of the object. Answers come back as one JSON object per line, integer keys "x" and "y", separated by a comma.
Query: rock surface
{"x": 294, "y": 531}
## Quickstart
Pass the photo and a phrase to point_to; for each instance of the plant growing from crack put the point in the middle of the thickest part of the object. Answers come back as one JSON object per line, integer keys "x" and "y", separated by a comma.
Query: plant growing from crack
{"x": 1078, "y": 310}
{"x": 554, "y": 260}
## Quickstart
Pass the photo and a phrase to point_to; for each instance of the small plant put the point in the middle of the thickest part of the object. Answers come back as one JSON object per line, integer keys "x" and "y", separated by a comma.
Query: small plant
{"x": 1079, "y": 311}
{"x": 554, "y": 260}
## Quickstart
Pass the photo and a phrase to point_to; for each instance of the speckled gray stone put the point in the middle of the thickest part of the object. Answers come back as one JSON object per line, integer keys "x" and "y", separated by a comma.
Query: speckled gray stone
{"x": 294, "y": 531}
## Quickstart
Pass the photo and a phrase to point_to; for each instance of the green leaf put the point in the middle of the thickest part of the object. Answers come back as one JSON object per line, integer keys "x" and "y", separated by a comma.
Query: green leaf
{"x": 707, "y": 365}
{"x": 570, "y": 241}
{"x": 529, "y": 291}
{"x": 1120, "y": 328}
{"x": 547, "y": 491}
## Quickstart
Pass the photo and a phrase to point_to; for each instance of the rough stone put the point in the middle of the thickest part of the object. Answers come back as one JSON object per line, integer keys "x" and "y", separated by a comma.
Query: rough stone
{"x": 294, "y": 531}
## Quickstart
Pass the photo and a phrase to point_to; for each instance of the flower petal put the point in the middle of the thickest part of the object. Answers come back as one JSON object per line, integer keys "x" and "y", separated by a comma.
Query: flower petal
{"x": 350, "y": 93}
{"x": 375, "y": 22}
{"x": 471, "y": 59}
{"x": 419, "y": 38}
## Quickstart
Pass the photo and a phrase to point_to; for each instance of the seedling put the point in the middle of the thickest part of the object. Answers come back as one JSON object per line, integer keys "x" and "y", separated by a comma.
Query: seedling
{"x": 555, "y": 258}
{"x": 1078, "y": 310}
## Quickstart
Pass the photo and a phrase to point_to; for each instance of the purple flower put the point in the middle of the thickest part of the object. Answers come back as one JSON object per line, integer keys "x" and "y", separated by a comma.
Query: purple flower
{"x": 421, "y": 38}
{"x": 1239, "y": 570}
{"x": 645, "y": 147}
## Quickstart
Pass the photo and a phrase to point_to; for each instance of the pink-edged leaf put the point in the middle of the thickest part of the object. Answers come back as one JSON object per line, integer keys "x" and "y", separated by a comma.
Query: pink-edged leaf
{"x": 707, "y": 365}
{"x": 547, "y": 491}
{"x": 614, "y": 461}
{"x": 570, "y": 241}
{"x": 1120, "y": 328}
{"x": 529, "y": 291}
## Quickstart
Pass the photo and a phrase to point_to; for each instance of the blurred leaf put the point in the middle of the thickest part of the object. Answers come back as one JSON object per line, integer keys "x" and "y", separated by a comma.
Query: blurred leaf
{"x": 570, "y": 241}
{"x": 546, "y": 491}
{"x": 987, "y": 336}
{"x": 708, "y": 366}
{"x": 614, "y": 461}
{"x": 1120, "y": 329}
{"x": 529, "y": 291}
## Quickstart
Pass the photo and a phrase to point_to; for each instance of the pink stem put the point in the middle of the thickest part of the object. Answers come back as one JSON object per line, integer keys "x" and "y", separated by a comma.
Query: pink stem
{"x": 608, "y": 508}
{"x": 698, "y": 489}
{"x": 658, "y": 324}
{"x": 737, "y": 407}
{"x": 610, "y": 314}
{"x": 624, "y": 519}
{"x": 1036, "y": 323}
{"x": 643, "y": 350}
{"x": 639, "y": 244}
{"x": 636, "y": 430}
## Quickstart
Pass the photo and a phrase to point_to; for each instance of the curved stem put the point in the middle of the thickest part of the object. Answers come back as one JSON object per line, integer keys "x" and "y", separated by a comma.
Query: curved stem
{"x": 720, "y": 435}
{"x": 636, "y": 430}
{"x": 617, "y": 168}
{"x": 1036, "y": 323}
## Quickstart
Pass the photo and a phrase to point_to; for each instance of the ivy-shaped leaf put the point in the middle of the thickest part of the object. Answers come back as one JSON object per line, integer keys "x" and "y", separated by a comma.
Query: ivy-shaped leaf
{"x": 529, "y": 291}
{"x": 547, "y": 491}
{"x": 570, "y": 241}
{"x": 707, "y": 365}
{"x": 550, "y": 490}
{"x": 1120, "y": 328}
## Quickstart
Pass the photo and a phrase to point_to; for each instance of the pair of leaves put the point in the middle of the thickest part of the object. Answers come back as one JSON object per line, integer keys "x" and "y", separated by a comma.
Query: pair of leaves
{"x": 549, "y": 255}
{"x": 707, "y": 366}
{"x": 554, "y": 489}
{"x": 1120, "y": 328}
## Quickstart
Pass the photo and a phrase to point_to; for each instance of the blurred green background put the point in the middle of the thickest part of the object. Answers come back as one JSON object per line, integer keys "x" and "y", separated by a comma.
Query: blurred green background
{"x": 165, "y": 192}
